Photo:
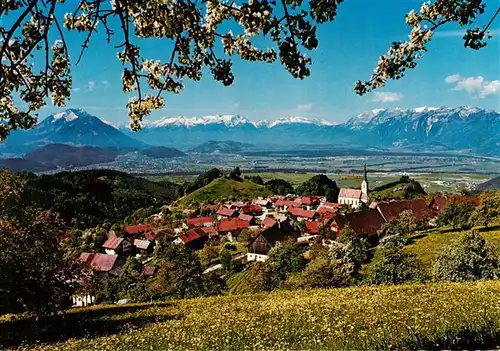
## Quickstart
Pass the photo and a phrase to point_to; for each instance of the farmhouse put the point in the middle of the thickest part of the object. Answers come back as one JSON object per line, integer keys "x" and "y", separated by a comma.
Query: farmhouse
{"x": 226, "y": 212}
{"x": 365, "y": 223}
{"x": 301, "y": 214}
{"x": 232, "y": 226}
{"x": 145, "y": 247}
{"x": 199, "y": 222}
{"x": 194, "y": 239}
{"x": 392, "y": 209}
{"x": 259, "y": 247}
{"x": 115, "y": 246}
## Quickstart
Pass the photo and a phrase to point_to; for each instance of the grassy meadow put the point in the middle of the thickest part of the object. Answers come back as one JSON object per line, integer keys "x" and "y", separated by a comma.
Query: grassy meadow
{"x": 386, "y": 317}
{"x": 427, "y": 245}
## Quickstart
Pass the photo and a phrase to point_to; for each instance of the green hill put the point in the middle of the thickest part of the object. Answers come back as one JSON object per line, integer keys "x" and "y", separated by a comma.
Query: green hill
{"x": 222, "y": 189}
{"x": 403, "y": 189}
{"x": 418, "y": 316}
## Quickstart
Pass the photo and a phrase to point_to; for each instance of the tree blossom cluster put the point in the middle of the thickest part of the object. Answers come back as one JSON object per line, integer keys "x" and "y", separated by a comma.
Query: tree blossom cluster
{"x": 202, "y": 36}
{"x": 432, "y": 15}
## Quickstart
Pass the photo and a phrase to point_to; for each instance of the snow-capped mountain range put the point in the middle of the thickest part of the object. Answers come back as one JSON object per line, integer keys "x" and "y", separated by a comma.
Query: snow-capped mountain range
{"x": 422, "y": 128}
{"x": 228, "y": 121}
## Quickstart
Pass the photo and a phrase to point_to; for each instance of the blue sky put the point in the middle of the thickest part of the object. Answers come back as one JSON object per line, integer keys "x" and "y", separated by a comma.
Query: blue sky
{"x": 349, "y": 49}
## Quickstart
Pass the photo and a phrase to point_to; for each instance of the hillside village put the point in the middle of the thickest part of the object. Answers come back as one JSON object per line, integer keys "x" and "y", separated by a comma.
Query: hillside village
{"x": 265, "y": 223}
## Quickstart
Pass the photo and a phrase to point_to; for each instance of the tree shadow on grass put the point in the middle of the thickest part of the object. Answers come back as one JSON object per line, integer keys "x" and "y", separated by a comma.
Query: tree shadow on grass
{"x": 86, "y": 323}
{"x": 414, "y": 238}
{"x": 489, "y": 229}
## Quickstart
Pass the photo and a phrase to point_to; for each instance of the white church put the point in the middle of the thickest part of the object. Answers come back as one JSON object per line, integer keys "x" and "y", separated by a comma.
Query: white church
{"x": 355, "y": 197}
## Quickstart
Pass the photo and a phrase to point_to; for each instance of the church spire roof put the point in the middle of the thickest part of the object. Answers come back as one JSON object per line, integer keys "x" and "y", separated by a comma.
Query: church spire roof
{"x": 365, "y": 175}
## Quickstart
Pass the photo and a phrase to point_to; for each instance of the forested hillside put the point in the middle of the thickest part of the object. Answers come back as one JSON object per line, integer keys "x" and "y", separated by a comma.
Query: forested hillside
{"x": 88, "y": 198}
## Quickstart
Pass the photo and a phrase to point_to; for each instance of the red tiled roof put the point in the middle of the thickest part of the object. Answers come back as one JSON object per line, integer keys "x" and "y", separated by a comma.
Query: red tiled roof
{"x": 192, "y": 235}
{"x": 299, "y": 212}
{"x": 268, "y": 222}
{"x": 350, "y": 193}
{"x": 210, "y": 231}
{"x": 251, "y": 209}
{"x": 288, "y": 203}
{"x": 363, "y": 223}
{"x": 113, "y": 243}
{"x": 194, "y": 222}
{"x": 312, "y": 227}
{"x": 331, "y": 204}
{"x": 103, "y": 262}
{"x": 151, "y": 235}
{"x": 392, "y": 210}
{"x": 86, "y": 257}
{"x": 226, "y": 212}
{"x": 263, "y": 202}
{"x": 142, "y": 244}
{"x": 245, "y": 217}
{"x": 139, "y": 228}
{"x": 228, "y": 224}
{"x": 308, "y": 200}
{"x": 324, "y": 209}
{"x": 149, "y": 271}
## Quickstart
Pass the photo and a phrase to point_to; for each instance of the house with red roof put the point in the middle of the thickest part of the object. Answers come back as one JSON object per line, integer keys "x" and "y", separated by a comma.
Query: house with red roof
{"x": 363, "y": 223}
{"x": 148, "y": 271}
{"x": 226, "y": 213}
{"x": 193, "y": 238}
{"x": 144, "y": 247}
{"x": 238, "y": 204}
{"x": 311, "y": 227}
{"x": 301, "y": 215}
{"x": 248, "y": 218}
{"x": 254, "y": 210}
{"x": 284, "y": 205}
{"x": 211, "y": 232}
{"x": 136, "y": 229}
{"x": 199, "y": 222}
{"x": 115, "y": 246}
{"x": 232, "y": 226}
{"x": 308, "y": 202}
{"x": 392, "y": 209}
{"x": 101, "y": 262}
{"x": 268, "y": 222}
{"x": 325, "y": 209}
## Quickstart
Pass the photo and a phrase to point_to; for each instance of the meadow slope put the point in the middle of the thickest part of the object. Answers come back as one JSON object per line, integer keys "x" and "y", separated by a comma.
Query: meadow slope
{"x": 408, "y": 316}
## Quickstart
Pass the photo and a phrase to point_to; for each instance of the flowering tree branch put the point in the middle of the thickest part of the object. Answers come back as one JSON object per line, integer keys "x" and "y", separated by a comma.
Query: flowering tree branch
{"x": 195, "y": 28}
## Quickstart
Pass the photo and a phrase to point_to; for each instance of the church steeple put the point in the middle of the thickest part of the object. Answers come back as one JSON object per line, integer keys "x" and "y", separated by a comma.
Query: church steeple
{"x": 364, "y": 183}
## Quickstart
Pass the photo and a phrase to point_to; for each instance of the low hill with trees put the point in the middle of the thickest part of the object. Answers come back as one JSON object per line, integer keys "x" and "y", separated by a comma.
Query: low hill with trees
{"x": 403, "y": 189}
{"x": 320, "y": 185}
{"x": 492, "y": 184}
{"x": 222, "y": 189}
{"x": 88, "y": 198}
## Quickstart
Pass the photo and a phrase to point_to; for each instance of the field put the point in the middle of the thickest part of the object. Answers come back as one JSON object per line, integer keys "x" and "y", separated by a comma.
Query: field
{"x": 221, "y": 189}
{"x": 392, "y": 317}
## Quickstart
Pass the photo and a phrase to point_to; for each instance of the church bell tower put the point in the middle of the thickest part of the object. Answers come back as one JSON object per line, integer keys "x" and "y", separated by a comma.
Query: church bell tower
{"x": 364, "y": 183}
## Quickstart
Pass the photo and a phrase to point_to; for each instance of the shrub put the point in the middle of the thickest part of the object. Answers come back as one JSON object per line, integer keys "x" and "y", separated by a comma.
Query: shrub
{"x": 263, "y": 277}
{"x": 396, "y": 265}
{"x": 469, "y": 258}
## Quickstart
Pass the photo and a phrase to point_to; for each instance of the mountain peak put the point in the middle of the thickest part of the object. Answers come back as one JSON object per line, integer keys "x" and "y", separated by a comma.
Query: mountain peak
{"x": 228, "y": 120}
